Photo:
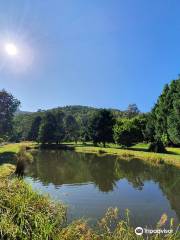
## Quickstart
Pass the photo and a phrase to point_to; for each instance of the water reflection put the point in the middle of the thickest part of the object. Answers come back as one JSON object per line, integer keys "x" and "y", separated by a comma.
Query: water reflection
{"x": 105, "y": 172}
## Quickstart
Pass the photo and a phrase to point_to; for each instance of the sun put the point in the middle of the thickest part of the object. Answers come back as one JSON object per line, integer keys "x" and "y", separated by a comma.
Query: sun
{"x": 11, "y": 49}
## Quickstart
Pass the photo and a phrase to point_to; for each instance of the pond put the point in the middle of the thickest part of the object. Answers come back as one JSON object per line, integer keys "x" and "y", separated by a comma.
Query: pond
{"x": 89, "y": 184}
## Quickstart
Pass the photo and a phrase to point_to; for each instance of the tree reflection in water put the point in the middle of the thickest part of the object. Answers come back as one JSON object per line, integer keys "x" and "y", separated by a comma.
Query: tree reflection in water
{"x": 68, "y": 167}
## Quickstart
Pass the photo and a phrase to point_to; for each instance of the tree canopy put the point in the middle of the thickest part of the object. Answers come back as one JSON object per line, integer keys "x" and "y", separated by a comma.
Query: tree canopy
{"x": 80, "y": 123}
{"x": 129, "y": 131}
{"x": 8, "y": 106}
{"x": 101, "y": 127}
{"x": 164, "y": 121}
{"x": 47, "y": 131}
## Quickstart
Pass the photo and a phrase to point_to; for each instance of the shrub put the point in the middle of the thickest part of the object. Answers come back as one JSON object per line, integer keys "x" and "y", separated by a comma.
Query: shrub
{"x": 23, "y": 158}
{"x": 128, "y": 131}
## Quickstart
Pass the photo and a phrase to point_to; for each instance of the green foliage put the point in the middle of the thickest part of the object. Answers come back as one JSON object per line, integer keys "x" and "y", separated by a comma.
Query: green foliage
{"x": 71, "y": 128}
{"x": 47, "y": 131}
{"x": 60, "y": 129}
{"x": 26, "y": 214}
{"x": 173, "y": 121}
{"x": 129, "y": 131}
{"x": 34, "y": 131}
{"x": 23, "y": 122}
{"x": 150, "y": 129}
{"x": 23, "y": 158}
{"x": 109, "y": 228}
{"x": 84, "y": 126}
{"x": 165, "y": 116}
{"x": 101, "y": 127}
{"x": 8, "y": 106}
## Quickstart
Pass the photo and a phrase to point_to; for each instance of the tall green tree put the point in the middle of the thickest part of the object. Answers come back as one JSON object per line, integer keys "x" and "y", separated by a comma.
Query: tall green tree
{"x": 174, "y": 124}
{"x": 161, "y": 111}
{"x": 71, "y": 128}
{"x": 34, "y": 131}
{"x": 47, "y": 131}
{"x": 165, "y": 114}
{"x": 60, "y": 130}
{"x": 84, "y": 128}
{"x": 150, "y": 128}
{"x": 8, "y": 106}
{"x": 101, "y": 127}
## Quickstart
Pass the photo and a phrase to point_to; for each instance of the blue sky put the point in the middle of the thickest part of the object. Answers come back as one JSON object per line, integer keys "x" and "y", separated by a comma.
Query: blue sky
{"x": 97, "y": 53}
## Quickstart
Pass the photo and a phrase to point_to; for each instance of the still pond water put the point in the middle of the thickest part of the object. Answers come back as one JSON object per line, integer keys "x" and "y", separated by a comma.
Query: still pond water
{"x": 89, "y": 184}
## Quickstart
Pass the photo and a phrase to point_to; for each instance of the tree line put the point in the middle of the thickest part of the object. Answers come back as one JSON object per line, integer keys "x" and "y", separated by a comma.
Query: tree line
{"x": 101, "y": 126}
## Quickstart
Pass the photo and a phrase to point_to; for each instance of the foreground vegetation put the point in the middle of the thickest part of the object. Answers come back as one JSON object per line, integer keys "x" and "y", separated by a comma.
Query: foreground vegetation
{"x": 27, "y": 215}
{"x": 24, "y": 213}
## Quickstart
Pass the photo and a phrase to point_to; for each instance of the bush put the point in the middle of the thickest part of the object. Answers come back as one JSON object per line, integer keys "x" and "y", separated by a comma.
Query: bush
{"x": 129, "y": 131}
{"x": 23, "y": 158}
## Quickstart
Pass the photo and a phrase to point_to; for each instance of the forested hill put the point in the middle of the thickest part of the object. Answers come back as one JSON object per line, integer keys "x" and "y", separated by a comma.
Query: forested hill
{"x": 74, "y": 110}
{"x": 23, "y": 120}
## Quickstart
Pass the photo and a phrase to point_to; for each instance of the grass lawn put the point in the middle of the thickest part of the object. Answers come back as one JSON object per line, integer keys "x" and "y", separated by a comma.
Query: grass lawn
{"x": 138, "y": 151}
{"x": 14, "y": 147}
{"x": 149, "y": 157}
{"x": 144, "y": 146}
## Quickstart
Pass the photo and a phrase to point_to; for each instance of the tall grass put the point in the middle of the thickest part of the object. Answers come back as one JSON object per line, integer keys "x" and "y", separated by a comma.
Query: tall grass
{"x": 23, "y": 158}
{"x": 109, "y": 228}
{"x": 26, "y": 214}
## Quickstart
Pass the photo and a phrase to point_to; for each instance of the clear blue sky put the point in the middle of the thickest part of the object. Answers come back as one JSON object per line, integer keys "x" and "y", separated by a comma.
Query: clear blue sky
{"x": 102, "y": 53}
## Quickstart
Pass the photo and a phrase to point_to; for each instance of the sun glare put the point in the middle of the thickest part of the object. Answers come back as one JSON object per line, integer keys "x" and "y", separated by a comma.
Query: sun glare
{"x": 11, "y": 49}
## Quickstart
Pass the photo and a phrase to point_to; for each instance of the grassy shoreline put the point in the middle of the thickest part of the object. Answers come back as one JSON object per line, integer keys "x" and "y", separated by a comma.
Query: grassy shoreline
{"x": 25, "y": 214}
{"x": 148, "y": 157}
{"x": 136, "y": 152}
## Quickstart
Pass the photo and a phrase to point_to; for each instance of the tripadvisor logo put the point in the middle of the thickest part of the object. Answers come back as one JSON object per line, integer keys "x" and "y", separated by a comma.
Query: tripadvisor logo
{"x": 139, "y": 231}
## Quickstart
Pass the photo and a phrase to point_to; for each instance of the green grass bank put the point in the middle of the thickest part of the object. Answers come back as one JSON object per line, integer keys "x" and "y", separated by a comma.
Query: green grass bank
{"x": 138, "y": 151}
